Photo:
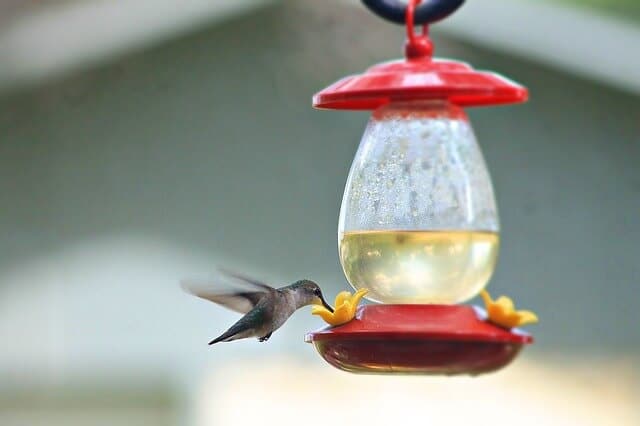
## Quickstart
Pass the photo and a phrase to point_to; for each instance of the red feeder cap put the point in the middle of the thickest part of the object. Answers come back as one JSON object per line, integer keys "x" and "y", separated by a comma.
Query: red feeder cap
{"x": 421, "y": 79}
{"x": 418, "y": 339}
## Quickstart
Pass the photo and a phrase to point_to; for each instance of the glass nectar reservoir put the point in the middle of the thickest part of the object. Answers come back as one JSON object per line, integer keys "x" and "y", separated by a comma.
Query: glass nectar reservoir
{"x": 418, "y": 222}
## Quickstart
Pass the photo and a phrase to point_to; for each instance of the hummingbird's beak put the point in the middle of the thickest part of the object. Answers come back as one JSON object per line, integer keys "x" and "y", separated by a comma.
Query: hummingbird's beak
{"x": 325, "y": 304}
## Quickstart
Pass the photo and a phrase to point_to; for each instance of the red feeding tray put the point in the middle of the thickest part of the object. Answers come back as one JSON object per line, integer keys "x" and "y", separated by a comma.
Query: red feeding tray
{"x": 418, "y": 339}
{"x": 420, "y": 79}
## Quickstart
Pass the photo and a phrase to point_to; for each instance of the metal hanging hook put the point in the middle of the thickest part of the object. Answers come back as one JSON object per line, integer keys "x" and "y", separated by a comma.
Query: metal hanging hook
{"x": 427, "y": 12}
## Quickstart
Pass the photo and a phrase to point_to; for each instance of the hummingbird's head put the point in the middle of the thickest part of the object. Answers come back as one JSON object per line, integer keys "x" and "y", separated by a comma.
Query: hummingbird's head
{"x": 308, "y": 293}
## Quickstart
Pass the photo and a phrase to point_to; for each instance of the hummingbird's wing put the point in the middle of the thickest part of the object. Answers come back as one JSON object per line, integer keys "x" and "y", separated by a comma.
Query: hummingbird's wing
{"x": 231, "y": 290}
{"x": 246, "y": 280}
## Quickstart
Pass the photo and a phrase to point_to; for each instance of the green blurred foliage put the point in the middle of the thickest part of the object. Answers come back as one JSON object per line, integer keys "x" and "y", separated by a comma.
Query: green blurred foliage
{"x": 629, "y": 9}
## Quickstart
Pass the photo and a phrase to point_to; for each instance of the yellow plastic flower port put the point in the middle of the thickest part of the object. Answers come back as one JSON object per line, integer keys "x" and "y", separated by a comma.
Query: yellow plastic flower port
{"x": 345, "y": 308}
{"x": 502, "y": 312}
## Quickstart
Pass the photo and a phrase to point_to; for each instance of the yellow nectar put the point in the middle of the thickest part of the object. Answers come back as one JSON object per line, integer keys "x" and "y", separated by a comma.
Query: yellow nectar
{"x": 419, "y": 266}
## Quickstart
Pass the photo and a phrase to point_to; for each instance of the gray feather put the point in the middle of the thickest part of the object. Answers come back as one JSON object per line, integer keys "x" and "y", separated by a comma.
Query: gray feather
{"x": 231, "y": 290}
{"x": 256, "y": 323}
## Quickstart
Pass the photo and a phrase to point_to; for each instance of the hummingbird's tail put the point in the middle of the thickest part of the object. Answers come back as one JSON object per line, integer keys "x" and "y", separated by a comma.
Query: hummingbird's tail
{"x": 245, "y": 327}
{"x": 216, "y": 340}
{"x": 223, "y": 338}
{"x": 233, "y": 334}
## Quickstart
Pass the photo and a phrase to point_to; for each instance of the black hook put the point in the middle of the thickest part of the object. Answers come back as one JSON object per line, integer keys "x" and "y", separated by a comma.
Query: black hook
{"x": 427, "y": 12}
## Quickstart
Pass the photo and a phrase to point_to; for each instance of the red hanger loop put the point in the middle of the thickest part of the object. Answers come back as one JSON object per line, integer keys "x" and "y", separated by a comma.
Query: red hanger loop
{"x": 417, "y": 46}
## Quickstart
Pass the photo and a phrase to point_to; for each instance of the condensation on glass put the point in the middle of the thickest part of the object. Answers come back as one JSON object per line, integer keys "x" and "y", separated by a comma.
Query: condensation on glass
{"x": 418, "y": 222}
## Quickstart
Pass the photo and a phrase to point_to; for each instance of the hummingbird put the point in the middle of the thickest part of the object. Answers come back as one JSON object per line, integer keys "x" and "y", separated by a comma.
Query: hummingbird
{"x": 265, "y": 308}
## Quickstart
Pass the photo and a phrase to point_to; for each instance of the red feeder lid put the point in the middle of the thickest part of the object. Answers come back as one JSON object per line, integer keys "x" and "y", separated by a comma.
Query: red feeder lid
{"x": 419, "y": 339}
{"x": 420, "y": 79}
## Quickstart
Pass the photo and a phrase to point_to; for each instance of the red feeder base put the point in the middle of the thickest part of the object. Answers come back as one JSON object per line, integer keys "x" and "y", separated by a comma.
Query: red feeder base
{"x": 418, "y": 339}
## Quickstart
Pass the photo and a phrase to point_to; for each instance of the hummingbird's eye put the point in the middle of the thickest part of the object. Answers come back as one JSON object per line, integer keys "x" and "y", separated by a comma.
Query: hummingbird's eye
{"x": 317, "y": 292}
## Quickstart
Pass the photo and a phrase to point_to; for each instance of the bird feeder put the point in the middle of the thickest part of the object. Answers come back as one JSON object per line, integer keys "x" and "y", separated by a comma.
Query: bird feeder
{"x": 418, "y": 224}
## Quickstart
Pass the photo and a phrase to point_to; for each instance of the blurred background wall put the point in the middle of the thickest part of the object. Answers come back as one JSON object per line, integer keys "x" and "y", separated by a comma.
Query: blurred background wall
{"x": 127, "y": 174}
